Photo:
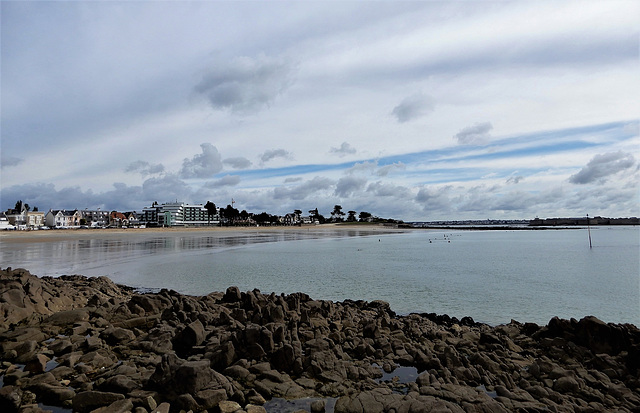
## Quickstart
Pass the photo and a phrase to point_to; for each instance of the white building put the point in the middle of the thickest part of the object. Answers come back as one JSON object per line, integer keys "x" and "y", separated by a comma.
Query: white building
{"x": 177, "y": 214}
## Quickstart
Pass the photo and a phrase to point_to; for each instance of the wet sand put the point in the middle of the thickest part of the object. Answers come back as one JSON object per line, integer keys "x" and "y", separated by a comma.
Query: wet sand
{"x": 58, "y": 235}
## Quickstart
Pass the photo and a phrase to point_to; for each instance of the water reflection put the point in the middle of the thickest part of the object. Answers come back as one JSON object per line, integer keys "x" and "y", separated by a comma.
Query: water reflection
{"x": 68, "y": 256}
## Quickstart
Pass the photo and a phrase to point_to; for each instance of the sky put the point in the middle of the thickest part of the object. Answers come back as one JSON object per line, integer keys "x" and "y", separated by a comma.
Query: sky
{"x": 420, "y": 111}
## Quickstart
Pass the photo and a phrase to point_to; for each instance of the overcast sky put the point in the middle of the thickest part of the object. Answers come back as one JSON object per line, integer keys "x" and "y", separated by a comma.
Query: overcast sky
{"x": 410, "y": 110}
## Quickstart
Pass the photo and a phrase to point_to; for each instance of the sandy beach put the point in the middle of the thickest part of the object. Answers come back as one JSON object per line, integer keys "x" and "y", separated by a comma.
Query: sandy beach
{"x": 73, "y": 234}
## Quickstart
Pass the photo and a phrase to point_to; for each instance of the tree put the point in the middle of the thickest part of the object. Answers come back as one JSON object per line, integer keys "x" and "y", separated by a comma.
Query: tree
{"x": 337, "y": 213}
{"x": 18, "y": 207}
{"x": 352, "y": 216}
{"x": 364, "y": 216}
{"x": 297, "y": 212}
{"x": 230, "y": 213}
{"x": 35, "y": 209}
{"x": 27, "y": 207}
{"x": 211, "y": 210}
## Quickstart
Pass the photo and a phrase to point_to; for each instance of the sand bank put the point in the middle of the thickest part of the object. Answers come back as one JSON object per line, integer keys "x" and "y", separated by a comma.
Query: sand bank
{"x": 72, "y": 234}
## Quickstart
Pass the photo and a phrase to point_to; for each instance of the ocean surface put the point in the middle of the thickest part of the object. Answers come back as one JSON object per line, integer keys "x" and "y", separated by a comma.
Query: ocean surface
{"x": 493, "y": 276}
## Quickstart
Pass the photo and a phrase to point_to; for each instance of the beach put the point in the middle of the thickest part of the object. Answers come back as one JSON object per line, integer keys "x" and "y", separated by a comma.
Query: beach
{"x": 75, "y": 234}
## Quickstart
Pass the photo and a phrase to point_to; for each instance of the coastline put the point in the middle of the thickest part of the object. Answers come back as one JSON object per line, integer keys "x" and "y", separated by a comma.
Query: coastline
{"x": 86, "y": 343}
{"x": 73, "y": 234}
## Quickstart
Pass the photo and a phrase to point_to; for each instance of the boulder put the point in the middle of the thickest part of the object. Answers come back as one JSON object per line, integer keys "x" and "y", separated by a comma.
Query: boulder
{"x": 91, "y": 400}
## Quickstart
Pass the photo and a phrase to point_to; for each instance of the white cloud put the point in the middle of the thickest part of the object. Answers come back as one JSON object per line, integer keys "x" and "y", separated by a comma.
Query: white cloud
{"x": 203, "y": 165}
{"x": 347, "y": 185}
{"x": 8, "y": 161}
{"x": 227, "y": 180}
{"x": 603, "y": 166}
{"x": 237, "y": 162}
{"x": 144, "y": 168}
{"x": 304, "y": 190}
{"x": 246, "y": 84}
{"x": 344, "y": 150}
{"x": 474, "y": 135}
{"x": 274, "y": 153}
{"x": 413, "y": 107}
{"x": 387, "y": 169}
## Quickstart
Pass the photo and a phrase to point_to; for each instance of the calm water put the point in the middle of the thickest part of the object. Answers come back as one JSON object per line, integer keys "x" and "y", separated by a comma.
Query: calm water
{"x": 492, "y": 276}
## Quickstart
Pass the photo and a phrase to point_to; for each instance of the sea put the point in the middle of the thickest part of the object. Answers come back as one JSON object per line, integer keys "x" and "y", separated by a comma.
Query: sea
{"x": 493, "y": 276}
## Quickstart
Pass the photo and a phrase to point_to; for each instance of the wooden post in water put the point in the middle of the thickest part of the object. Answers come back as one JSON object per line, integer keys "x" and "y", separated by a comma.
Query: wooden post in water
{"x": 589, "y": 231}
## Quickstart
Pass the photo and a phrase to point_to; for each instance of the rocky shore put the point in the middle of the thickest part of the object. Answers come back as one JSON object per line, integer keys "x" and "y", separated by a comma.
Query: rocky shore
{"x": 89, "y": 345}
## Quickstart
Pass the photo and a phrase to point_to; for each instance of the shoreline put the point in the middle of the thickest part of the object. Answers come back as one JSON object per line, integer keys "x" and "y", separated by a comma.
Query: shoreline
{"x": 87, "y": 343}
{"x": 72, "y": 234}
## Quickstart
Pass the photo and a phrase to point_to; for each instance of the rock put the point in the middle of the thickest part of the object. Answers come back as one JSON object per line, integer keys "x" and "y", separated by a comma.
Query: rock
{"x": 37, "y": 364}
{"x": 318, "y": 406}
{"x": 191, "y": 336}
{"x": 566, "y": 385}
{"x": 68, "y": 317}
{"x": 116, "y": 335}
{"x": 10, "y": 398}
{"x": 91, "y": 400}
{"x": 162, "y": 408}
{"x": 119, "y": 384}
{"x": 228, "y": 406}
{"x": 208, "y": 399}
{"x": 119, "y": 406}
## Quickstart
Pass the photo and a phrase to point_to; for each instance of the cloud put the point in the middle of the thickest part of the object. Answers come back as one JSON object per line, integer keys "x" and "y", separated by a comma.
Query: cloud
{"x": 413, "y": 107}
{"x": 515, "y": 179}
{"x": 290, "y": 180}
{"x": 303, "y": 190}
{"x": 227, "y": 180}
{"x": 144, "y": 168}
{"x": 246, "y": 84}
{"x": 344, "y": 150}
{"x": 347, "y": 185}
{"x": 474, "y": 135}
{"x": 435, "y": 199}
{"x": 237, "y": 163}
{"x": 6, "y": 161}
{"x": 274, "y": 153}
{"x": 363, "y": 167}
{"x": 602, "y": 166}
{"x": 389, "y": 190}
{"x": 385, "y": 170}
{"x": 167, "y": 188}
{"x": 203, "y": 165}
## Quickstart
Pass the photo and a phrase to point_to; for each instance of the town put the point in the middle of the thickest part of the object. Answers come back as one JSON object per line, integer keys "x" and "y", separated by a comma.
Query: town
{"x": 171, "y": 214}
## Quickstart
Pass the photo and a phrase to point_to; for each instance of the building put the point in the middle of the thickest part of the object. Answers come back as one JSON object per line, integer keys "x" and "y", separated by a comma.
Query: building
{"x": 95, "y": 217}
{"x": 4, "y": 222}
{"x": 177, "y": 214}
{"x": 35, "y": 219}
{"x": 62, "y": 218}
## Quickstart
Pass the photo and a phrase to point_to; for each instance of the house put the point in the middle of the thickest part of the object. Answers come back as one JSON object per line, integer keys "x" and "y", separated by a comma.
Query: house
{"x": 95, "y": 217}
{"x": 132, "y": 218}
{"x": 118, "y": 219}
{"x": 17, "y": 217}
{"x": 62, "y": 218}
{"x": 291, "y": 219}
{"x": 4, "y": 222}
{"x": 35, "y": 219}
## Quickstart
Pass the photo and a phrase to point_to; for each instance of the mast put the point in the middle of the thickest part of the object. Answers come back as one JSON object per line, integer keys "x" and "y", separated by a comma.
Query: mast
{"x": 589, "y": 231}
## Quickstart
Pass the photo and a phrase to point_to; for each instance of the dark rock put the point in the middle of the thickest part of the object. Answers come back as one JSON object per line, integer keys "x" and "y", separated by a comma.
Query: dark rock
{"x": 119, "y": 406}
{"x": 68, "y": 317}
{"x": 192, "y": 335}
{"x": 208, "y": 399}
{"x": 119, "y": 384}
{"x": 91, "y": 400}
{"x": 10, "y": 398}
